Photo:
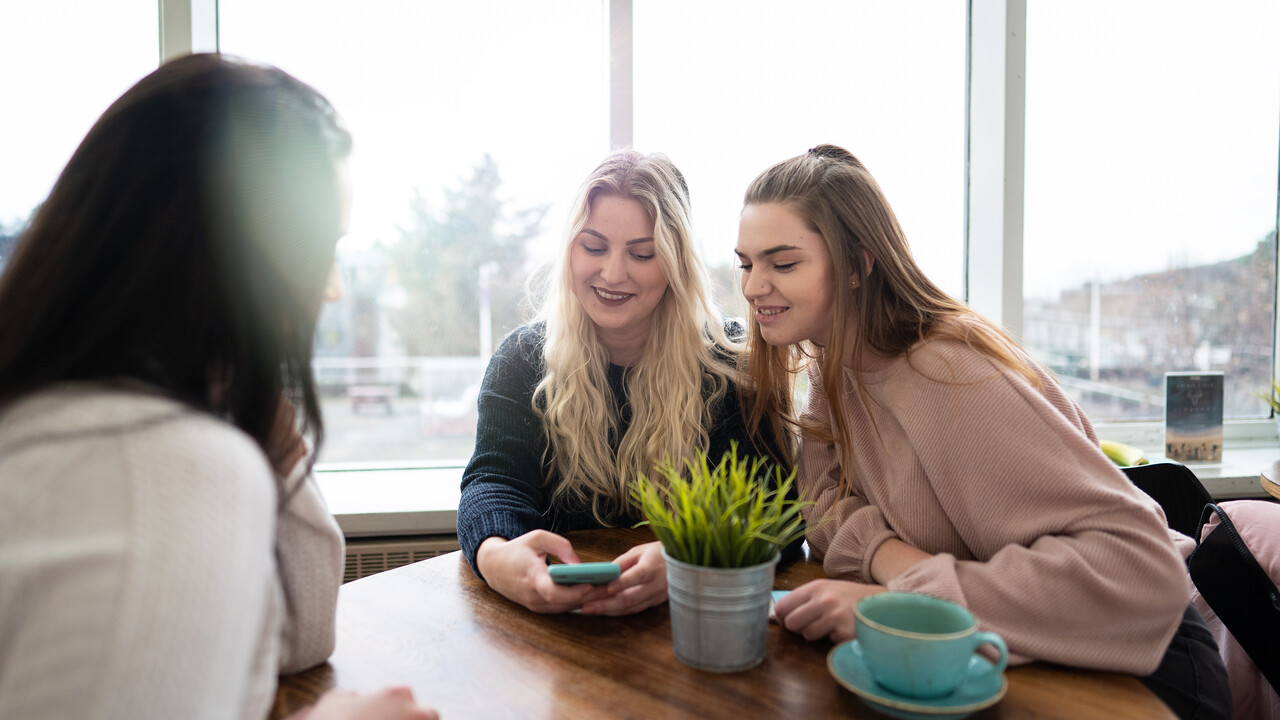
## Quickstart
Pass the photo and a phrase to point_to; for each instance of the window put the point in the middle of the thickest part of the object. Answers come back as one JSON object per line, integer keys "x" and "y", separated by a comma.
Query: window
{"x": 1151, "y": 166}
{"x": 728, "y": 91}
{"x": 474, "y": 125}
{"x": 64, "y": 63}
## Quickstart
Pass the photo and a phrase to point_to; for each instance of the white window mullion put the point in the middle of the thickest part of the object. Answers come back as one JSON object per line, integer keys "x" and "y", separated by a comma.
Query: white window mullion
{"x": 187, "y": 26}
{"x": 994, "y": 160}
{"x": 1275, "y": 316}
{"x": 621, "y": 95}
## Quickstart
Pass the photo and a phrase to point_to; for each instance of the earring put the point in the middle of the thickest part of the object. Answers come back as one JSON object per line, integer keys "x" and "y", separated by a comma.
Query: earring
{"x": 853, "y": 284}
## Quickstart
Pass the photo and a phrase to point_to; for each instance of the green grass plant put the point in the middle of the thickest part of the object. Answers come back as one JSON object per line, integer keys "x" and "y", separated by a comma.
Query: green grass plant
{"x": 1274, "y": 398}
{"x": 725, "y": 515}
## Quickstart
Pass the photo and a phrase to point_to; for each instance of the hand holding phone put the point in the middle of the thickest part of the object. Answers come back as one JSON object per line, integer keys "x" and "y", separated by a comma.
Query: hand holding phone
{"x": 592, "y": 573}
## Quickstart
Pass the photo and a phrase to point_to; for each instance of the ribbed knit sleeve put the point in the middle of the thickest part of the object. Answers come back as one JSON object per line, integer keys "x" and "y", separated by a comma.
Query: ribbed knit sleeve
{"x": 1030, "y": 525}
{"x": 502, "y": 487}
{"x": 850, "y": 523}
{"x": 136, "y": 572}
{"x": 309, "y": 556}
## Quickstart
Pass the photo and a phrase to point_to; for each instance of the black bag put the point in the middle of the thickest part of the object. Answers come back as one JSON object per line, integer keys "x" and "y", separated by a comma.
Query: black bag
{"x": 1239, "y": 591}
{"x": 1177, "y": 490}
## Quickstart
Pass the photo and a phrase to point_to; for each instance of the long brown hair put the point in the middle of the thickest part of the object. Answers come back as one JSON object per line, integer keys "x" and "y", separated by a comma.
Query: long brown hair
{"x": 894, "y": 306}
{"x": 185, "y": 245}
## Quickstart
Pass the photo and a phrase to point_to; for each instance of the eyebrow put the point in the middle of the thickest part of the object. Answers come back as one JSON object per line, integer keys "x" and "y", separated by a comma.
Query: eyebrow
{"x": 629, "y": 243}
{"x": 771, "y": 251}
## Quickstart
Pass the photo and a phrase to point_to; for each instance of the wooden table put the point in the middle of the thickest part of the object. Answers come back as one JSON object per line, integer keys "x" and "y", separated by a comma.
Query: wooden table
{"x": 470, "y": 653}
{"x": 1271, "y": 479}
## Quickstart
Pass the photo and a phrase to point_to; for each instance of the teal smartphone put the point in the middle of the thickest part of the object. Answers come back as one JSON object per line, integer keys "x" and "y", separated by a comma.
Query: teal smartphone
{"x": 593, "y": 573}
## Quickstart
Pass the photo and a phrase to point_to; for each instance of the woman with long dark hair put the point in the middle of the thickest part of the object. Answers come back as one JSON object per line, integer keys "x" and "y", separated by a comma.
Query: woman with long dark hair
{"x": 164, "y": 549}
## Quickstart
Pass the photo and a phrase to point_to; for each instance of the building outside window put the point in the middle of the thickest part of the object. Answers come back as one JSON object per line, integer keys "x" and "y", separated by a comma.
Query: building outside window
{"x": 1150, "y": 231}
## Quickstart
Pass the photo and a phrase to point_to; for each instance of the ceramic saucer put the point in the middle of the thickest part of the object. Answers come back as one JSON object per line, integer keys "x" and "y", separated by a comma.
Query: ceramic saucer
{"x": 847, "y": 665}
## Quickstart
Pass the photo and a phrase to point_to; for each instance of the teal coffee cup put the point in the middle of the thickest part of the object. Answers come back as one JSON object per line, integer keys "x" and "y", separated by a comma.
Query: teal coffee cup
{"x": 921, "y": 646}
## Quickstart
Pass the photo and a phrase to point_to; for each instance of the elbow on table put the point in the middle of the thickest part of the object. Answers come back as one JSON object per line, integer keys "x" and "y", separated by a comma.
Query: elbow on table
{"x": 303, "y": 651}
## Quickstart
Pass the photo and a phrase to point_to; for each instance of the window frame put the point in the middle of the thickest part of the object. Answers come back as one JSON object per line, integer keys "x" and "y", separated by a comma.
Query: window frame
{"x": 994, "y": 191}
{"x": 995, "y": 120}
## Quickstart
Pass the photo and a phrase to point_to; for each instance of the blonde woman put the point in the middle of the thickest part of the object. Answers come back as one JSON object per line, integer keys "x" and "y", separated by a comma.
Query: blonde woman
{"x": 628, "y": 363}
{"x": 943, "y": 459}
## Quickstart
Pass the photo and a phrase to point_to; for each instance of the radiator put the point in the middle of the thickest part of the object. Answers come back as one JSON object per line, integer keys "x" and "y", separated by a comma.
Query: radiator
{"x": 373, "y": 555}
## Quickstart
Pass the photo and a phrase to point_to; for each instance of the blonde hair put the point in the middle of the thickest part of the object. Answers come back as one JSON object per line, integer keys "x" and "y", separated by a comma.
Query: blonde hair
{"x": 682, "y": 376}
{"x": 895, "y": 306}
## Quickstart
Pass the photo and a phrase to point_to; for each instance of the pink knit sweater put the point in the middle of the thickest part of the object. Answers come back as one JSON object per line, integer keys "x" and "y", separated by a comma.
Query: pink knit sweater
{"x": 1030, "y": 526}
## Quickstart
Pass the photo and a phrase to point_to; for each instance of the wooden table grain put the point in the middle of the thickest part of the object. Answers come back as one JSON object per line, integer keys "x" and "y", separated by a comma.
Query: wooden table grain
{"x": 470, "y": 653}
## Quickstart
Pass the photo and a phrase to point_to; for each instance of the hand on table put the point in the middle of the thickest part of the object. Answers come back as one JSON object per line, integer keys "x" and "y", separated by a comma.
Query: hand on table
{"x": 642, "y": 585}
{"x": 823, "y": 608}
{"x": 393, "y": 703}
{"x": 517, "y": 569}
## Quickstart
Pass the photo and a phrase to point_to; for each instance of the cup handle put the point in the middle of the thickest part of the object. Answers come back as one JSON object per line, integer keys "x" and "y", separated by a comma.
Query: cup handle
{"x": 990, "y": 638}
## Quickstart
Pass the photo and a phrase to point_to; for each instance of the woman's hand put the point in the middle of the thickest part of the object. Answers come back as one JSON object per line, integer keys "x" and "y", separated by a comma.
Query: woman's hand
{"x": 823, "y": 608}
{"x": 642, "y": 585}
{"x": 285, "y": 446}
{"x": 393, "y": 703}
{"x": 517, "y": 569}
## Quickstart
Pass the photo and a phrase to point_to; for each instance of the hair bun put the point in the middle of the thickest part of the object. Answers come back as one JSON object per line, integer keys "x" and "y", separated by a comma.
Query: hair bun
{"x": 834, "y": 152}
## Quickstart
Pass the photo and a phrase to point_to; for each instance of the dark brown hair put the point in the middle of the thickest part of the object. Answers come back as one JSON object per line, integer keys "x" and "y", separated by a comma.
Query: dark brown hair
{"x": 185, "y": 245}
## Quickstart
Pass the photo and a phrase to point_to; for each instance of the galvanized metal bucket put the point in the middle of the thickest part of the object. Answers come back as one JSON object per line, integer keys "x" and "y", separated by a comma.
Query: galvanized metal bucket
{"x": 719, "y": 616}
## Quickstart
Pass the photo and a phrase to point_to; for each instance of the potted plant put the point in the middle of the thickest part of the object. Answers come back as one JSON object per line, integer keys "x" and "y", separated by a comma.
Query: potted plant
{"x": 722, "y": 529}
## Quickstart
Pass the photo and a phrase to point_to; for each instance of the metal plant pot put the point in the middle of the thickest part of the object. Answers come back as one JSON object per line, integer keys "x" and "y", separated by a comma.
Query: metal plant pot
{"x": 719, "y": 616}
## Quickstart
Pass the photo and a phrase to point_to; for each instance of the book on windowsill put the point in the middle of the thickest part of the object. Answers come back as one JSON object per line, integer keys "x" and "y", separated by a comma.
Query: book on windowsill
{"x": 1193, "y": 416}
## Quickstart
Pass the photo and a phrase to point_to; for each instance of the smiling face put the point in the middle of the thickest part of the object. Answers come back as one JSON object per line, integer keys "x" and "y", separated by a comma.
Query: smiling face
{"x": 616, "y": 275}
{"x": 787, "y": 275}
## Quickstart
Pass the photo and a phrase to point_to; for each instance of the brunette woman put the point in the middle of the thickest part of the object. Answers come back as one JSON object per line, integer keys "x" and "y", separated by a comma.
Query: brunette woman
{"x": 943, "y": 459}
{"x": 164, "y": 549}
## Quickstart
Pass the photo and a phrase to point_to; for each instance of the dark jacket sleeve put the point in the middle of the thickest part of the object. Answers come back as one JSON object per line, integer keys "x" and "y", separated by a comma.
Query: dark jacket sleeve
{"x": 502, "y": 490}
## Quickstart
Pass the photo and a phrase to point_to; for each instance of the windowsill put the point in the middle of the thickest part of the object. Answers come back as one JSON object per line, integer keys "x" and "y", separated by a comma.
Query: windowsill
{"x": 1248, "y": 447}
{"x": 383, "y": 499}
{"x": 1238, "y": 475}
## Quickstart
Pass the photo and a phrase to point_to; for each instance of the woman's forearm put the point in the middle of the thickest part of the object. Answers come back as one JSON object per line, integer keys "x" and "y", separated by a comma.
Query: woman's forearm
{"x": 893, "y": 558}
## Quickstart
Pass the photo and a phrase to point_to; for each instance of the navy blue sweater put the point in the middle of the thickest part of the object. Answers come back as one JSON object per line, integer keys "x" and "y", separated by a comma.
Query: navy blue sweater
{"x": 506, "y": 488}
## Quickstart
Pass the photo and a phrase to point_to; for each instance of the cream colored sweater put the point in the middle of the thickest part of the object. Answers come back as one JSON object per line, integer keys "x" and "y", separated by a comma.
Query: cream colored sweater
{"x": 138, "y": 563}
{"x": 1030, "y": 526}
